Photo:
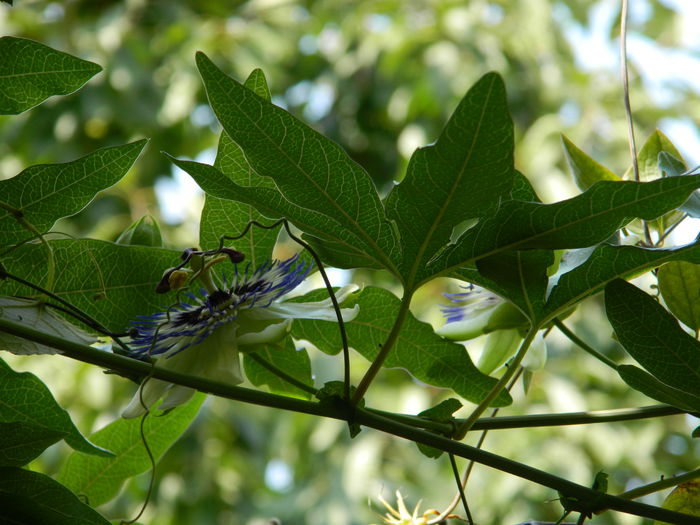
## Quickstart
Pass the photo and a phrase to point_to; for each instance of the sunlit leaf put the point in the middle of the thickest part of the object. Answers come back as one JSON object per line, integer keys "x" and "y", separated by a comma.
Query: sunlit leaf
{"x": 311, "y": 171}
{"x": 30, "y": 497}
{"x": 418, "y": 350}
{"x": 31, "y": 72}
{"x": 679, "y": 284}
{"x": 336, "y": 245}
{"x": 462, "y": 176}
{"x": 25, "y": 399}
{"x": 144, "y": 232}
{"x": 228, "y": 217}
{"x": 648, "y": 157}
{"x": 42, "y": 194}
{"x": 684, "y": 498}
{"x": 653, "y": 337}
{"x": 112, "y": 283}
{"x": 100, "y": 479}
{"x": 585, "y": 170}
{"x": 285, "y": 357}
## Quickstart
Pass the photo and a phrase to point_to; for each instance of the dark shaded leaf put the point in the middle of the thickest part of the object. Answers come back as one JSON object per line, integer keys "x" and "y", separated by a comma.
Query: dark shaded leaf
{"x": 607, "y": 263}
{"x": 21, "y": 442}
{"x": 648, "y": 385}
{"x": 25, "y": 399}
{"x": 463, "y": 175}
{"x": 30, "y": 498}
{"x": 653, "y": 337}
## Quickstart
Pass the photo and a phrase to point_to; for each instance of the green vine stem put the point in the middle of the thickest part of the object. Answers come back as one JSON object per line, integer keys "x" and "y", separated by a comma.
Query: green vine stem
{"x": 502, "y": 383}
{"x": 361, "y": 416}
{"x": 660, "y": 485}
{"x": 376, "y": 365}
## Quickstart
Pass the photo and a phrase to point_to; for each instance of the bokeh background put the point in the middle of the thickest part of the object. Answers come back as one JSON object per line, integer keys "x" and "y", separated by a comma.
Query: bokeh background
{"x": 380, "y": 78}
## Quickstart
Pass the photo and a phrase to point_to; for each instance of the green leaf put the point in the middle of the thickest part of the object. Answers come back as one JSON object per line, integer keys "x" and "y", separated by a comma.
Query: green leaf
{"x": 112, "y": 283}
{"x": 673, "y": 167}
{"x": 582, "y": 221}
{"x": 31, "y": 72}
{"x": 337, "y": 246}
{"x": 21, "y": 442}
{"x": 653, "y": 337}
{"x": 28, "y": 498}
{"x": 228, "y": 217}
{"x": 607, "y": 263}
{"x": 648, "y": 385}
{"x": 463, "y": 175}
{"x": 25, "y": 399}
{"x": 257, "y": 83}
{"x": 441, "y": 412}
{"x": 684, "y": 498}
{"x": 99, "y": 479}
{"x": 311, "y": 171}
{"x": 679, "y": 284}
{"x": 144, "y": 232}
{"x": 285, "y": 357}
{"x": 418, "y": 350}
{"x": 648, "y": 158}
{"x": 518, "y": 276}
{"x": 585, "y": 170}
{"x": 42, "y": 194}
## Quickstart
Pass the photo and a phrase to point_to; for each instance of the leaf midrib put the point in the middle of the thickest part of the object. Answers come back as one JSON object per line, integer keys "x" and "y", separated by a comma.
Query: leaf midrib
{"x": 438, "y": 218}
{"x": 515, "y": 244}
{"x": 368, "y": 238}
{"x": 32, "y": 204}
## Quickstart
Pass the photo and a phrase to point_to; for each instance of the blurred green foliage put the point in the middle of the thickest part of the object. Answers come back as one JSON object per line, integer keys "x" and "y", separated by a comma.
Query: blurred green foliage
{"x": 380, "y": 78}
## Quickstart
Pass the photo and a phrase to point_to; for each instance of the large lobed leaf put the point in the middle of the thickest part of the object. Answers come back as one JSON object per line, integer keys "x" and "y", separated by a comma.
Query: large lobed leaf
{"x": 653, "y": 337}
{"x": 25, "y": 400}
{"x": 228, "y": 217}
{"x": 112, "y": 283}
{"x": 310, "y": 171}
{"x": 607, "y": 263}
{"x": 337, "y": 246}
{"x": 418, "y": 349}
{"x": 30, "y": 497}
{"x": 42, "y": 194}
{"x": 463, "y": 175}
{"x": 99, "y": 479}
{"x": 581, "y": 221}
{"x": 31, "y": 72}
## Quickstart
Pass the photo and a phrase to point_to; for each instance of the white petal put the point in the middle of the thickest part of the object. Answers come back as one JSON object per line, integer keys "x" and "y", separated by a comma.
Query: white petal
{"x": 270, "y": 334}
{"x": 152, "y": 392}
{"x": 177, "y": 395}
